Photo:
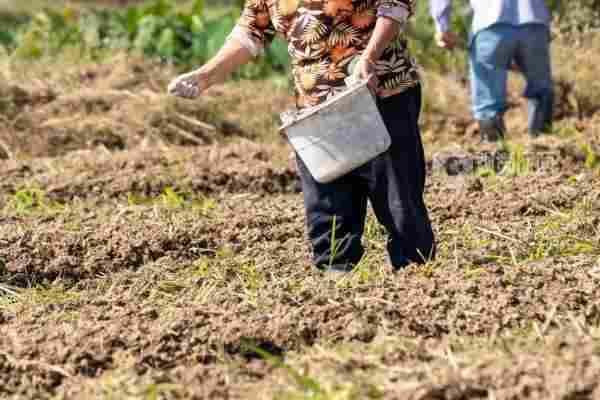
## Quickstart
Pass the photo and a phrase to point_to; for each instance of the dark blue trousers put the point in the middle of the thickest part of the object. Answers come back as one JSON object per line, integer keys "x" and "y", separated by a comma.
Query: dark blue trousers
{"x": 393, "y": 182}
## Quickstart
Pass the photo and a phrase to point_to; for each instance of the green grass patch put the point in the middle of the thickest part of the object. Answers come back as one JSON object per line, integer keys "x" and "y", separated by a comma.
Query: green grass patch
{"x": 518, "y": 163}
{"x": 32, "y": 201}
{"x": 592, "y": 160}
{"x": 12, "y": 299}
{"x": 173, "y": 200}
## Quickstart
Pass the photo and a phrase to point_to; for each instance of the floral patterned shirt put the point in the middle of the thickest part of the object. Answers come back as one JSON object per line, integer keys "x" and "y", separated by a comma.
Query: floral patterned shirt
{"x": 324, "y": 37}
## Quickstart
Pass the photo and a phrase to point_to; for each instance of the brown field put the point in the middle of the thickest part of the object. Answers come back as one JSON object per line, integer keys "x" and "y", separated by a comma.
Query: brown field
{"x": 144, "y": 255}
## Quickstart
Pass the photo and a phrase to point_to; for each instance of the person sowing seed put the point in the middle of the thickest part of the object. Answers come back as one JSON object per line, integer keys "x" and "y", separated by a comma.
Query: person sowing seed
{"x": 329, "y": 40}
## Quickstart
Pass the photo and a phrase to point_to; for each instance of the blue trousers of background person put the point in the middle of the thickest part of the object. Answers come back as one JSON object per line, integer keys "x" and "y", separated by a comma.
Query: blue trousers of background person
{"x": 492, "y": 51}
{"x": 393, "y": 182}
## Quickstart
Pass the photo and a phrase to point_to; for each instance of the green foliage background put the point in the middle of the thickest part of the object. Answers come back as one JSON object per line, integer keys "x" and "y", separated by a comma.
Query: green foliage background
{"x": 190, "y": 33}
{"x": 185, "y": 35}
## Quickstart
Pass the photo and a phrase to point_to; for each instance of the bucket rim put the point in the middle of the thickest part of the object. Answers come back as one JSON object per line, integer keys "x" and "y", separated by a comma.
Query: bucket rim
{"x": 303, "y": 114}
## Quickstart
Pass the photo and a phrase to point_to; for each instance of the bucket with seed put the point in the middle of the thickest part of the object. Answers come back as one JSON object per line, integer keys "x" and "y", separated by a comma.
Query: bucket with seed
{"x": 338, "y": 135}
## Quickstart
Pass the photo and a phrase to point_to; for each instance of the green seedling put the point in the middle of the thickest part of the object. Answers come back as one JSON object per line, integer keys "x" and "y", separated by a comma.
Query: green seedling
{"x": 37, "y": 296}
{"x": 224, "y": 253}
{"x": 592, "y": 160}
{"x": 334, "y": 249}
{"x": 335, "y": 244}
{"x": 204, "y": 205}
{"x": 252, "y": 279}
{"x": 156, "y": 391}
{"x": 33, "y": 200}
{"x": 374, "y": 233}
{"x": 518, "y": 164}
{"x": 137, "y": 200}
{"x": 171, "y": 199}
{"x": 201, "y": 269}
{"x": 426, "y": 271}
{"x": 485, "y": 172}
{"x": 474, "y": 272}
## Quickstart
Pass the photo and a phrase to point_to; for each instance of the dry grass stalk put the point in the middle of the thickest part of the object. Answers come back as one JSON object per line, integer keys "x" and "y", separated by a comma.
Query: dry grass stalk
{"x": 4, "y": 147}
{"x": 185, "y": 135}
{"x": 195, "y": 123}
{"x": 9, "y": 291}
{"x": 501, "y": 235}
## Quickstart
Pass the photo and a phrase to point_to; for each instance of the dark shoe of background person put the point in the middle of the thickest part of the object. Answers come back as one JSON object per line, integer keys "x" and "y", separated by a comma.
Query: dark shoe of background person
{"x": 540, "y": 115}
{"x": 492, "y": 130}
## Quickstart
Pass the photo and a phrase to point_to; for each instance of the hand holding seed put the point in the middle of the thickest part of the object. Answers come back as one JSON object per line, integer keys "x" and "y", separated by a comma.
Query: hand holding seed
{"x": 446, "y": 40}
{"x": 190, "y": 85}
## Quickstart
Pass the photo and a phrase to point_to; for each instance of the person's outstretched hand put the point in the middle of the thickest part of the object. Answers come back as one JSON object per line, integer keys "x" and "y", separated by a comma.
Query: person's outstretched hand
{"x": 191, "y": 84}
{"x": 447, "y": 40}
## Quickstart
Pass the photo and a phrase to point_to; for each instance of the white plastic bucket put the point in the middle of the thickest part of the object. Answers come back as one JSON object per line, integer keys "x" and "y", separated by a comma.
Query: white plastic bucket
{"x": 338, "y": 135}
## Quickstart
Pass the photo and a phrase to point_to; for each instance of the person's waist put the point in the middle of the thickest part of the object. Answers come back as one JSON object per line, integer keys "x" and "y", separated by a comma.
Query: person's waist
{"x": 483, "y": 22}
{"x": 346, "y": 64}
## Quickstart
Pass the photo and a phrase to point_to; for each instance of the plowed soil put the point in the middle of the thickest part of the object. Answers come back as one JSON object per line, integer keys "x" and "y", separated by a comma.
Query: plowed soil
{"x": 115, "y": 284}
{"x": 140, "y": 263}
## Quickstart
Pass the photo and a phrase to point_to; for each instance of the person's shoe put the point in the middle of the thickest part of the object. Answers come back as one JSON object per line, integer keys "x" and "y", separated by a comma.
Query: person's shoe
{"x": 540, "y": 115}
{"x": 492, "y": 130}
{"x": 398, "y": 264}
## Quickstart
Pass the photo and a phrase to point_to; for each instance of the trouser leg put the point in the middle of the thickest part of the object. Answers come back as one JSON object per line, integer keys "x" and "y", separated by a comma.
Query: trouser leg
{"x": 490, "y": 56}
{"x": 533, "y": 59}
{"x": 341, "y": 203}
{"x": 396, "y": 181}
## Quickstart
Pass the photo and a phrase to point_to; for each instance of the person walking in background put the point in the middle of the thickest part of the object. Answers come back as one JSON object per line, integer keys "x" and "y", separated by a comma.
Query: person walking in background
{"x": 329, "y": 40}
{"x": 503, "y": 32}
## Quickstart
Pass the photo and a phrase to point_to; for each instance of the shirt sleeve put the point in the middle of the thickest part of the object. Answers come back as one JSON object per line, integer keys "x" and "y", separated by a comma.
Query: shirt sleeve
{"x": 441, "y": 11}
{"x": 254, "y": 30}
{"x": 398, "y": 10}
